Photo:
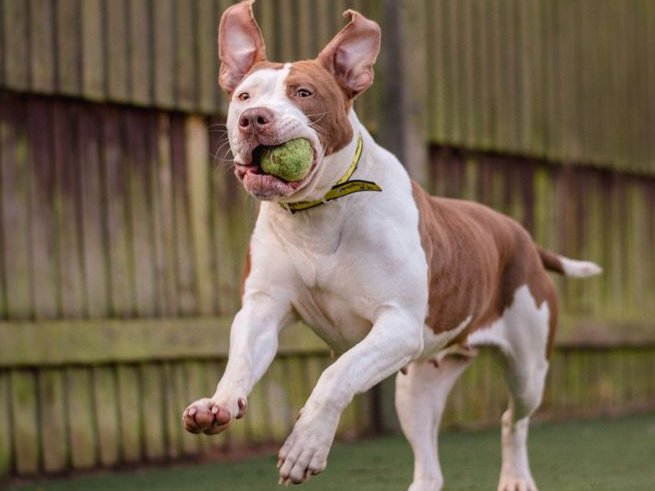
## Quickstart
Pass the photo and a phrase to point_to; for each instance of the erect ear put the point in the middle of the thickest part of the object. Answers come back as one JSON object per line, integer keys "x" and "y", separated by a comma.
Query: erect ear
{"x": 240, "y": 44}
{"x": 350, "y": 55}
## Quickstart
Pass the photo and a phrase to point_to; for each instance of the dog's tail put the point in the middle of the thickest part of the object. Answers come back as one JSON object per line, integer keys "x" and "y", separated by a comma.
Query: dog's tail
{"x": 567, "y": 267}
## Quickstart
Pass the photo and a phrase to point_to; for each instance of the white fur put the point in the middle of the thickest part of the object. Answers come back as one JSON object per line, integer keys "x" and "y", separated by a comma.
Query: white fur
{"x": 355, "y": 271}
{"x": 521, "y": 335}
{"x": 579, "y": 269}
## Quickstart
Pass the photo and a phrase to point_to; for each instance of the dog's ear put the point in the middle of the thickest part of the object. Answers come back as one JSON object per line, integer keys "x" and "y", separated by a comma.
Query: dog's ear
{"x": 350, "y": 55}
{"x": 240, "y": 44}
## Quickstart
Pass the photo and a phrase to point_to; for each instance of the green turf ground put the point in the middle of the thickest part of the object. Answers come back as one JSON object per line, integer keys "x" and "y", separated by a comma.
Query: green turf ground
{"x": 603, "y": 455}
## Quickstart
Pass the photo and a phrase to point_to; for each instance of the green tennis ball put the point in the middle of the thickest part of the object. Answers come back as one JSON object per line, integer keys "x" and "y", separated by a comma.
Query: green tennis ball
{"x": 290, "y": 161}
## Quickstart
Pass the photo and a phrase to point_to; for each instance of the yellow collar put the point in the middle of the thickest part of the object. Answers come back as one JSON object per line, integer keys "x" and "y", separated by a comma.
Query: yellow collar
{"x": 343, "y": 187}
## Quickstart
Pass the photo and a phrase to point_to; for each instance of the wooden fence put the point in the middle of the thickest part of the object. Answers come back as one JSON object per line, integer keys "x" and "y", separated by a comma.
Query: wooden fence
{"x": 122, "y": 230}
{"x": 566, "y": 80}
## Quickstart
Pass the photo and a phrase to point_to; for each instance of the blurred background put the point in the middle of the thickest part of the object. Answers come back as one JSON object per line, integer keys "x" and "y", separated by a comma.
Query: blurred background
{"x": 123, "y": 232}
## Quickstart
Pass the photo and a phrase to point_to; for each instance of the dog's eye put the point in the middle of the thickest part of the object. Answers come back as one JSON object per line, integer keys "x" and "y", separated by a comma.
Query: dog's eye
{"x": 303, "y": 92}
{"x": 243, "y": 96}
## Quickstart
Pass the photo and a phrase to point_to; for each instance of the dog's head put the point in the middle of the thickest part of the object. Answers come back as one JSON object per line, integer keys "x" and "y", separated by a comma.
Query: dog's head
{"x": 272, "y": 103}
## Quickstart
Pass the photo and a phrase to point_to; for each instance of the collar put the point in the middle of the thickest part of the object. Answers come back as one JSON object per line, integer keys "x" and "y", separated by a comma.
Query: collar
{"x": 343, "y": 187}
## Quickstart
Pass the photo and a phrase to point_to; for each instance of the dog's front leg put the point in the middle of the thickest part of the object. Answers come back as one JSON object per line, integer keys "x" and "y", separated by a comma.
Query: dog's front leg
{"x": 394, "y": 340}
{"x": 253, "y": 344}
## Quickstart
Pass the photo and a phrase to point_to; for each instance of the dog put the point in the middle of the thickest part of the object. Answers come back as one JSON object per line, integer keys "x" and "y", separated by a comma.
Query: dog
{"x": 392, "y": 279}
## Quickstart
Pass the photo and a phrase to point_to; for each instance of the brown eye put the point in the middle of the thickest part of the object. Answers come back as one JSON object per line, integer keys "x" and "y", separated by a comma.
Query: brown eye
{"x": 303, "y": 92}
{"x": 243, "y": 96}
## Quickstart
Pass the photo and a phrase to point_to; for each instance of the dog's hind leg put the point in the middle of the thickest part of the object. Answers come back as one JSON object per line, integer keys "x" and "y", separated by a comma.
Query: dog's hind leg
{"x": 526, "y": 387}
{"x": 521, "y": 337}
{"x": 421, "y": 395}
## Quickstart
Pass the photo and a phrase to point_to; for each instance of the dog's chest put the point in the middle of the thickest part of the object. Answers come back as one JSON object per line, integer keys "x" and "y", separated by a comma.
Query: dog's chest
{"x": 328, "y": 300}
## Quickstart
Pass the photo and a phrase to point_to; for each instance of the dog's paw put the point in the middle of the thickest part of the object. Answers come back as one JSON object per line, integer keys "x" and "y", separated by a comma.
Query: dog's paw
{"x": 210, "y": 417}
{"x": 304, "y": 454}
{"x": 510, "y": 483}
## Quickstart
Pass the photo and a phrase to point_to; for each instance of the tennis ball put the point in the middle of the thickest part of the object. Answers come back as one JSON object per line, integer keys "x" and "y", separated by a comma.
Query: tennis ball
{"x": 290, "y": 161}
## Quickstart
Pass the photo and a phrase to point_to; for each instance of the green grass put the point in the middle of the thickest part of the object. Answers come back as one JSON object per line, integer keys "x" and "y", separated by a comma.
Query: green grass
{"x": 603, "y": 455}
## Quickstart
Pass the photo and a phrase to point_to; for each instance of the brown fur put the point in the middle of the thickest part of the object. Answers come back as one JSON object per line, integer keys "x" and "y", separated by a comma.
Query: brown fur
{"x": 477, "y": 258}
{"x": 327, "y": 108}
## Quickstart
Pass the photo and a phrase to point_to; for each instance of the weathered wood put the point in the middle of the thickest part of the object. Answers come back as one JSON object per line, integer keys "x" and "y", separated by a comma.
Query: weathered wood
{"x": 15, "y": 31}
{"x": 42, "y": 219}
{"x": 118, "y": 60}
{"x": 42, "y": 57}
{"x": 197, "y": 158}
{"x": 15, "y": 189}
{"x": 81, "y": 424}
{"x": 186, "y": 293}
{"x": 105, "y": 341}
{"x": 163, "y": 219}
{"x": 92, "y": 203}
{"x": 68, "y": 55}
{"x": 163, "y": 53}
{"x": 140, "y": 51}
{"x": 121, "y": 290}
{"x": 6, "y": 449}
{"x": 93, "y": 37}
{"x": 53, "y": 424}
{"x": 130, "y": 413}
{"x": 140, "y": 258}
{"x": 279, "y": 417}
{"x": 153, "y": 401}
{"x": 172, "y": 412}
{"x": 23, "y": 395}
{"x": 185, "y": 56}
{"x": 206, "y": 22}
{"x": 106, "y": 403}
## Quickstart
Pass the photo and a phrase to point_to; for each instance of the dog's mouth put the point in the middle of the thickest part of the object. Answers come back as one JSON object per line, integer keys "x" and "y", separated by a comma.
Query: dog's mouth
{"x": 267, "y": 186}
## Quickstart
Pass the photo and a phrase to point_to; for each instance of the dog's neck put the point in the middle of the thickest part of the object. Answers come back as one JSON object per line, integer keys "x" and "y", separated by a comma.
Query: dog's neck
{"x": 334, "y": 167}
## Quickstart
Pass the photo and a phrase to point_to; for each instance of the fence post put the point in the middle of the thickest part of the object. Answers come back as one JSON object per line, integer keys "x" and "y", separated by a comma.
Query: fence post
{"x": 404, "y": 85}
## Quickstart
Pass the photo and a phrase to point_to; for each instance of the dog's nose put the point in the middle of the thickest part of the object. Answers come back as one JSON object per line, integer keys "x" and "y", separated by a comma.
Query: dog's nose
{"x": 255, "y": 119}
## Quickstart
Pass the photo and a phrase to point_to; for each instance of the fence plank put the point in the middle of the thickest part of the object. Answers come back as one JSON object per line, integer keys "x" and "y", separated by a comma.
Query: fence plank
{"x": 140, "y": 56}
{"x": 69, "y": 246}
{"x": 15, "y": 189}
{"x": 118, "y": 60}
{"x": 153, "y": 401}
{"x": 197, "y": 158}
{"x": 140, "y": 257}
{"x": 92, "y": 204}
{"x": 277, "y": 401}
{"x": 129, "y": 410}
{"x": 106, "y": 403}
{"x": 23, "y": 395}
{"x": 6, "y": 450}
{"x": 42, "y": 57}
{"x": 206, "y": 21}
{"x": 187, "y": 300}
{"x": 173, "y": 412}
{"x": 120, "y": 288}
{"x": 68, "y": 55}
{"x": 15, "y": 49}
{"x": 81, "y": 425}
{"x": 163, "y": 48}
{"x": 42, "y": 219}
{"x": 163, "y": 218}
{"x": 93, "y": 39}
{"x": 185, "y": 69}
{"x": 52, "y": 423}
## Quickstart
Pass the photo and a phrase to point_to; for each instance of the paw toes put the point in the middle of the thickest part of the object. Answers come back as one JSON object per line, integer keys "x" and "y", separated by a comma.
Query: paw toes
{"x": 205, "y": 416}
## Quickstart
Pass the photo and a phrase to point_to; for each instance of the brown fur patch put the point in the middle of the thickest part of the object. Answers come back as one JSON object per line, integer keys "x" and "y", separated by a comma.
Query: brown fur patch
{"x": 328, "y": 106}
{"x": 477, "y": 259}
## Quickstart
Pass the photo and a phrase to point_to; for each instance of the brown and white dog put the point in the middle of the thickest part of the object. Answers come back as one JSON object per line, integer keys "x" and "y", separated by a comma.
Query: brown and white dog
{"x": 394, "y": 280}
